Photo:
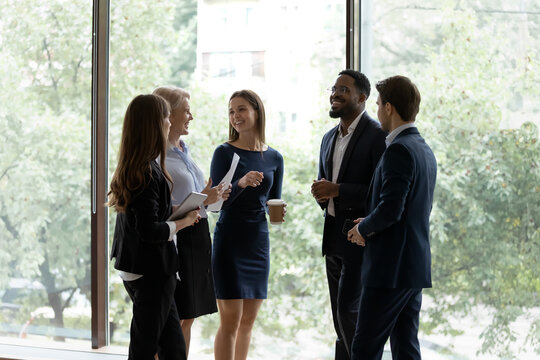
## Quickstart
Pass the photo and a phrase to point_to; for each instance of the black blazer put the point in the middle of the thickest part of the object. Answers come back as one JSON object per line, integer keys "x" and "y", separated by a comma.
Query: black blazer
{"x": 141, "y": 235}
{"x": 359, "y": 161}
{"x": 397, "y": 252}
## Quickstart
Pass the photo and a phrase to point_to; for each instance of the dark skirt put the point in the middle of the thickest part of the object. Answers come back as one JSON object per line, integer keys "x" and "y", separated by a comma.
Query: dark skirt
{"x": 241, "y": 260}
{"x": 194, "y": 293}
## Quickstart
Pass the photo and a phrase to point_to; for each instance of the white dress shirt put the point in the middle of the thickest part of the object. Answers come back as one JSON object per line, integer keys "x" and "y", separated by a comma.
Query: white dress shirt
{"x": 342, "y": 142}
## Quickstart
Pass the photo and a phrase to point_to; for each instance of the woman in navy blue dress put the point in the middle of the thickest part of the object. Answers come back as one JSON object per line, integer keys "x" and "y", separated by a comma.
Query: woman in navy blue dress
{"x": 241, "y": 252}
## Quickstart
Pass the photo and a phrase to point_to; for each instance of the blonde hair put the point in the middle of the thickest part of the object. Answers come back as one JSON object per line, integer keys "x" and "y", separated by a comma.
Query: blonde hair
{"x": 143, "y": 140}
{"x": 174, "y": 95}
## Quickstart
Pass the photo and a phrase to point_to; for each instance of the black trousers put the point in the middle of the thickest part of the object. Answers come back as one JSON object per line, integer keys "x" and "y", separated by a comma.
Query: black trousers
{"x": 344, "y": 285}
{"x": 387, "y": 313}
{"x": 155, "y": 326}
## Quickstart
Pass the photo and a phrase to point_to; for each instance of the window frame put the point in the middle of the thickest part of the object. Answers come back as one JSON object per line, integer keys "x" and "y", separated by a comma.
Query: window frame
{"x": 99, "y": 180}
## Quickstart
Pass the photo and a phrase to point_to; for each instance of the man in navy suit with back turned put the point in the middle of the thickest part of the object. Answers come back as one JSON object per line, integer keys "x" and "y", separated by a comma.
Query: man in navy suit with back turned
{"x": 348, "y": 157}
{"x": 395, "y": 234}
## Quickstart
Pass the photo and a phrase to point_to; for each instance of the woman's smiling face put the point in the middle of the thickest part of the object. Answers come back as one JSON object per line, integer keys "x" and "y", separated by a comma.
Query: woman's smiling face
{"x": 242, "y": 115}
{"x": 180, "y": 119}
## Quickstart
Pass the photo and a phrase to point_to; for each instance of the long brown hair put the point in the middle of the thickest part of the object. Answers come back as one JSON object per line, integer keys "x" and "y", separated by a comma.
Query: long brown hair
{"x": 143, "y": 140}
{"x": 255, "y": 101}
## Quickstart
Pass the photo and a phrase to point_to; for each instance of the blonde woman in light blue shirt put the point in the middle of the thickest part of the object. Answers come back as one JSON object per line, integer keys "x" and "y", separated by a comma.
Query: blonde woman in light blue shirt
{"x": 194, "y": 293}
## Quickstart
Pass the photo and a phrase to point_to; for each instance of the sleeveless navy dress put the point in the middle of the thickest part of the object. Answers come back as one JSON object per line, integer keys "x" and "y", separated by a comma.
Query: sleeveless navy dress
{"x": 241, "y": 251}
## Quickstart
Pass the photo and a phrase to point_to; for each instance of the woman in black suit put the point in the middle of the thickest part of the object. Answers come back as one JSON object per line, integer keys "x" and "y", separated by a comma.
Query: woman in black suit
{"x": 143, "y": 248}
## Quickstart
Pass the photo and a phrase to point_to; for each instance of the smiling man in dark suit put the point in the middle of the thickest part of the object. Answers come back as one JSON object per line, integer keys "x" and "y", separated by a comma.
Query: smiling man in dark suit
{"x": 395, "y": 234}
{"x": 348, "y": 157}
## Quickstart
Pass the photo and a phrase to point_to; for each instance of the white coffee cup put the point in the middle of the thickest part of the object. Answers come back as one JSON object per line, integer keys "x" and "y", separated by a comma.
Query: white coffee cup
{"x": 275, "y": 210}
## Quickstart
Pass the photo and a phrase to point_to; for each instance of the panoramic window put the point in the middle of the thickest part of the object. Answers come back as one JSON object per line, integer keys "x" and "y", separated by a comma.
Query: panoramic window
{"x": 476, "y": 66}
{"x": 45, "y": 76}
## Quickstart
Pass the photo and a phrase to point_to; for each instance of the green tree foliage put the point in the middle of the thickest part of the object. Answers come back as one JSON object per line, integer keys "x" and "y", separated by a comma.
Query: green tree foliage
{"x": 45, "y": 133}
{"x": 476, "y": 64}
{"x": 485, "y": 230}
{"x": 44, "y": 166}
{"x": 183, "y": 56}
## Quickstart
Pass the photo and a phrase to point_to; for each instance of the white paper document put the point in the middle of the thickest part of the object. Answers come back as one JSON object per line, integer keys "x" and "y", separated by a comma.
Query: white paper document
{"x": 227, "y": 181}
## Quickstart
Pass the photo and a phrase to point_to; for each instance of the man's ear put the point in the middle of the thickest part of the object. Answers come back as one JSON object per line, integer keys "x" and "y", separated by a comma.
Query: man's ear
{"x": 362, "y": 98}
{"x": 388, "y": 108}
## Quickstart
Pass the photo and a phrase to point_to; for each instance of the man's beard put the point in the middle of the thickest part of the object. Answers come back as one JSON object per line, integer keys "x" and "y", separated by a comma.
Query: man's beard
{"x": 334, "y": 114}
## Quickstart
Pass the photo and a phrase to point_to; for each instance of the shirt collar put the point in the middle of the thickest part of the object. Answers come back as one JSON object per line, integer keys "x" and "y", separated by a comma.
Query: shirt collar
{"x": 396, "y": 132}
{"x": 353, "y": 125}
{"x": 173, "y": 147}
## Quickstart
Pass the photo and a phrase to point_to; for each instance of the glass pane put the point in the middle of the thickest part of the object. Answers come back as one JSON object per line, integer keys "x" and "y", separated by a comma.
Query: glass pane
{"x": 287, "y": 51}
{"x": 151, "y": 44}
{"x": 476, "y": 65}
{"x": 45, "y": 77}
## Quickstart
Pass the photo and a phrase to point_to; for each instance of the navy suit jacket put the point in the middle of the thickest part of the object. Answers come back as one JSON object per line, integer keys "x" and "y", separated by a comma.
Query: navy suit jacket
{"x": 359, "y": 161}
{"x": 141, "y": 234}
{"x": 397, "y": 252}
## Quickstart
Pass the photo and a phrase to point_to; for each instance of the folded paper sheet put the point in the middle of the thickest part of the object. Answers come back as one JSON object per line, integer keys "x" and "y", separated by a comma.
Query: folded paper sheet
{"x": 227, "y": 181}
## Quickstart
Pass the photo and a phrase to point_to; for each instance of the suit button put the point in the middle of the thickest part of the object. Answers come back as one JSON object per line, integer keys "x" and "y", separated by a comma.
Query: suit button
{"x": 208, "y": 271}
{"x": 208, "y": 252}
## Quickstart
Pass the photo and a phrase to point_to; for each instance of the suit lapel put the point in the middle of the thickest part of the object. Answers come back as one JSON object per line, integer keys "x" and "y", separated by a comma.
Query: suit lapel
{"x": 355, "y": 136}
{"x": 329, "y": 162}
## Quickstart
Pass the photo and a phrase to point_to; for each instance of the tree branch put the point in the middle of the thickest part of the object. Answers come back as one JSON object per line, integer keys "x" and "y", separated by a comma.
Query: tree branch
{"x": 9, "y": 226}
{"x": 68, "y": 300}
{"x": 12, "y": 166}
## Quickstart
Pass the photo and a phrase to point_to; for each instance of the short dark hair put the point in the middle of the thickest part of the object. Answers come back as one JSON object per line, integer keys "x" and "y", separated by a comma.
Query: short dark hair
{"x": 402, "y": 93}
{"x": 360, "y": 81}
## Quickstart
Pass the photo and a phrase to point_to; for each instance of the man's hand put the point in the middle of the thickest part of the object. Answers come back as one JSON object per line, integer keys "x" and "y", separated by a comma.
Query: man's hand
{"x": 354, "y": 236}
{"x": 323, "y": 190}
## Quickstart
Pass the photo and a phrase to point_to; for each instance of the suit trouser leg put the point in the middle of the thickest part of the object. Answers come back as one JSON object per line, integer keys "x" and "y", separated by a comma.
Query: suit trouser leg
{"x": 385, "y": 313}
{"x": 171, "y": 343}
{"x": 155, "y": 325}
{"x": 333, "y": 274}
{"x": 350, "y": 288}
{"x": 404, "y": 337}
